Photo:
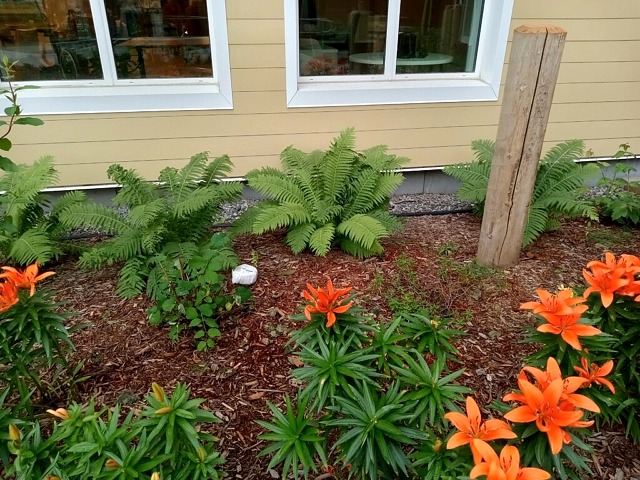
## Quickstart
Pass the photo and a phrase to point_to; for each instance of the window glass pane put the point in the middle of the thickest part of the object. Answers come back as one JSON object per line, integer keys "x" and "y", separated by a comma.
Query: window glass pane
{"x": 49, "y": 39}
{"x": 160, "y": 39}
{"x": 342, "y": 38}
{"x": 438, "y": 35}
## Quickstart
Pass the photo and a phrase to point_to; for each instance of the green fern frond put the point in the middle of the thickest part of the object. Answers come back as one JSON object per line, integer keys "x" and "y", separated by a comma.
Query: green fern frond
{"x": 473, "y": 178}
{"x": 180, "y": 184}
{"x": 244, "y": 223}
{"x": 337, "y": 162}
{"x": 387, "y": 184}
{"x": 277, "y": 185}
{"x": 96, "y": 257}
{"x": 483, "y": 150}
{"x": 134, "y": 189}
{"x": 33, "y": 245}
{"x": 279, "y": 216}
{"x": 308, "y": 183}
{"x": 298, "y": 237}
{"x": 321, "y": 239}
{"x": 226, "y": 192}
{"x": 552, "y": 224}
{"x": 293, "y": 159}
{"x": 569, "y": 150}
{"x": 125, "y": 247}
{"x": 364, "y": 188}
{"x": 357, "y": 250}
{"x": 390, "y": 222}
{"x": 377, "y": 158}
{"x": 326, "y": 211}
{"x": 142, "y": 215}
{"x": 152, "y": 240}
{"x": 216, "y": 169}
{"x": 94, "y": 216}
{"x": 132, "y": 278}
{"x": 567, "y": 206}
{"x": 176, "y": 250}
{"x": 536, "y": 224}
{"x": 197, "y": 200}
{"x": 362, "y": 229}
{"x": 70, "y": 198}
{"x": 23, "y": 185}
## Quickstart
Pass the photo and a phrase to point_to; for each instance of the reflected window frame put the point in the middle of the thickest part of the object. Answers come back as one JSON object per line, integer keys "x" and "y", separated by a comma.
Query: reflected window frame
{"x": 140, "y": 94}
{"x": 482, "y": 84}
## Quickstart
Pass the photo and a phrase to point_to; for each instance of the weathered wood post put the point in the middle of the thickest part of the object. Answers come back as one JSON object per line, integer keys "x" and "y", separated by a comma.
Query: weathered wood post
{"x": 536, "y": 51}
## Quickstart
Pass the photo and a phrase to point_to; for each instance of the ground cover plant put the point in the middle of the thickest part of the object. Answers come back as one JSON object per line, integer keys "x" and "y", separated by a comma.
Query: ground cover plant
{"x": 253, "y": 359}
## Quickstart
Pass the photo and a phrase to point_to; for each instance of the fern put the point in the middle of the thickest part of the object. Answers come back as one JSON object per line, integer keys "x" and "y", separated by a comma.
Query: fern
{"x": 327, "y": 198}
{"x": 181, "y": 207}
{"x": 321, "y": 239}
{"x": 556, "y": 189}
{"x": 33, "y": 245}
{"x": 27, "y": 233}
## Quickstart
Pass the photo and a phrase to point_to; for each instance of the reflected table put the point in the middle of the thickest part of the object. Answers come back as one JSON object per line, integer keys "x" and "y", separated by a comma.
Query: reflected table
{"x": 140, "y": 44}
{"x": 377, "y": 58}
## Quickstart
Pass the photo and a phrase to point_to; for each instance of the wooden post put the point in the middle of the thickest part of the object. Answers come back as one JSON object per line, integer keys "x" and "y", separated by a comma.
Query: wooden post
{"x": 531, "y": 78}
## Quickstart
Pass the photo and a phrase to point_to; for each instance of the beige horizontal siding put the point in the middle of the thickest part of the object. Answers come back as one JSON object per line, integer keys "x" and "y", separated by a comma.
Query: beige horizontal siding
{"x": 597, "y": 99}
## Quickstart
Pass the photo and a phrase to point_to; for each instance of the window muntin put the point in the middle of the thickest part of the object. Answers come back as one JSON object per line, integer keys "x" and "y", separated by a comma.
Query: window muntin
{"x": 163, "y": 49}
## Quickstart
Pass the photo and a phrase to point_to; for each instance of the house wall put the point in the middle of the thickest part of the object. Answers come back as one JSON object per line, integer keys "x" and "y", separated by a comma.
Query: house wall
{"x": 597, "y": 99}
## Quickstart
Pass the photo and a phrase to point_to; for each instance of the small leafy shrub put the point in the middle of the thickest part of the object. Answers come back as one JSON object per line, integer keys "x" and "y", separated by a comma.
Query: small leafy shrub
{"x": 295, "y": 439}
{"x": 181, "y": 207}
{"x": 163, "y": 440}
{"x": 613, "y": 297}
{"x": 338, "y": 197}
{"x": 620, "y": 200}
{"x": 366, "y": 390}
{"x": 556, "y": 190}
{"x": 189, "y": 285}
{"x": 32, "y": 334}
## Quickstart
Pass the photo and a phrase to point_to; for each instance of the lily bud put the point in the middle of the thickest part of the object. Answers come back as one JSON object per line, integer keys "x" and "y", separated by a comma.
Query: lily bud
{"x": 14, "y": 433}
{"x": 61, "y": 413}
{"x": 52, "y": 477}
{"x": 163, "y": 410}
{"x": 437, "y": 445}
{"x": 202, "y": 454}
{"x": 111, "y": 464}
{"x": 158, "y": 392}
{"x": 155, "y": 476}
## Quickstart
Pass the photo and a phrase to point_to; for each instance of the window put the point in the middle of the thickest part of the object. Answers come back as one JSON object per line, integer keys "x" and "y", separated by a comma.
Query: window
{"x": 117, "y": 55}
{"x": 394, "y": 51}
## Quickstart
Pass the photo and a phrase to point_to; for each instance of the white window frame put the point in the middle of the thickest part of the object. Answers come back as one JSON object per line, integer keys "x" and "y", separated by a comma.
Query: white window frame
{"x": 483, "y": 84}
{"x": 137, "y": 95}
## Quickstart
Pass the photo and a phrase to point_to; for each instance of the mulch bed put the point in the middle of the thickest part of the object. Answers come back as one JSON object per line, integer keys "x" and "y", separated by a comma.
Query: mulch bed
{"x": 250, "y": 364}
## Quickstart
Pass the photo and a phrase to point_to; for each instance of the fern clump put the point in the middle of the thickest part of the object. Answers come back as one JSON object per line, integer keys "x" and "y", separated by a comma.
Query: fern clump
{"x": 336, "y": 197}
{"x": 181, "y": 207}
{"x": 557, "y": 191}
{"x": 30, "y": 230}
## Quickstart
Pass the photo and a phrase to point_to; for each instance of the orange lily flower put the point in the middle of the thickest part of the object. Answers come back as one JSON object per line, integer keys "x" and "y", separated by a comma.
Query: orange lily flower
{"x": 327, "y": 302}
{"x": 569, "y": 386}
{"x": 595, "y": 374}
{"x": 26, "y": 279}
{"x": 505, "y": 467}
{"x": 8, "y": 296}
{"x": 609, "y": 277}
{"x": 554, "y": 305}
{"x": 473, "y": 431}
{"x": 568, "y": 328}
{"x": 543, "y": 407}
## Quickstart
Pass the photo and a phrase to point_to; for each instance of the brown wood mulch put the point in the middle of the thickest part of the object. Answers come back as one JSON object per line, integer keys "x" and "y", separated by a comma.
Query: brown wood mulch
{"x": 250, "y": 365}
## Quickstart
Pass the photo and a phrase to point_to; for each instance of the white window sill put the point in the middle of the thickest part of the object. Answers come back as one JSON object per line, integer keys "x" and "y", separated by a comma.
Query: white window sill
{"x": 391, "y": 92}
{"x": 126, "y": 98}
